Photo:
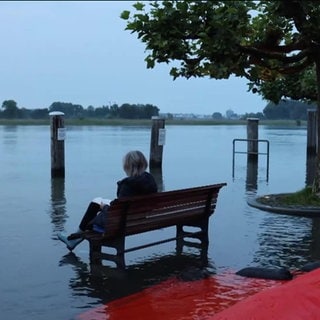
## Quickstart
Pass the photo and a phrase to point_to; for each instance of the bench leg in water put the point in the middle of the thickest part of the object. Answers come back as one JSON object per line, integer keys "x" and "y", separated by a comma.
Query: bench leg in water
{"x": 201, "y": 235}
{"x": 96, "y": 254}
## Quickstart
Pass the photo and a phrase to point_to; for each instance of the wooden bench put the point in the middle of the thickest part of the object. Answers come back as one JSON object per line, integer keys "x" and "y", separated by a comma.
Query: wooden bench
{"x": 190, "y": 207}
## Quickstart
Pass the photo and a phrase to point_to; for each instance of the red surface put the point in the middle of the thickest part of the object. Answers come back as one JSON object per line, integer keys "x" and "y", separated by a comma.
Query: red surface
{"x": 298, "y": 299}
{"x": 177, "y": 300}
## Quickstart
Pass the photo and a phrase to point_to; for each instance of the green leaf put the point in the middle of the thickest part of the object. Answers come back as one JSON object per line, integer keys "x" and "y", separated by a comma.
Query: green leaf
{"x": 150, "y": 62}
{"x": 125, "y": 15}
{"x": 139, "y": 6}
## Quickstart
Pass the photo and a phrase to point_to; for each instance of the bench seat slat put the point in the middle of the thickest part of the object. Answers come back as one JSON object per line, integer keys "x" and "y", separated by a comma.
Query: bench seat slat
{"x": 166, "y": 200}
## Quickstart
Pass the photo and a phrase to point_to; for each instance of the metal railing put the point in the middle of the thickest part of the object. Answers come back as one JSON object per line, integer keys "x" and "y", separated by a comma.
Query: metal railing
{"x": 252, "y": 153}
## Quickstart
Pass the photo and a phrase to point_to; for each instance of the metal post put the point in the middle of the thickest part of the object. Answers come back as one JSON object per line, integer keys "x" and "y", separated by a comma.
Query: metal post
{"x": 57, "y": 144}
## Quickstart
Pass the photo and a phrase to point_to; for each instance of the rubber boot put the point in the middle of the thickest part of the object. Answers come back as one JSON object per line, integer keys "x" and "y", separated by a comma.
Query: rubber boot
{"x": 71, "y": 244}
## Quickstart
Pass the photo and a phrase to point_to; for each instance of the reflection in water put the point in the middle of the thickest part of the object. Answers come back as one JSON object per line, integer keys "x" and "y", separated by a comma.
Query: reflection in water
{"x": 9, "y": 137}
{"x": 10, "y": 131}
{"x": 315, "y": 240}
{"x": 287, "y": 241}
{"x": 105, "y": 283}
{"x": 58, "y": 204}
{"x": 252, "y": 174}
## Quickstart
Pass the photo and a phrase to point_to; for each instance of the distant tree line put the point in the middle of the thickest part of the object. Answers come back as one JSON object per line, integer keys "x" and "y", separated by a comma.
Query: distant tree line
{"x": 10, "y": 110}
{"x": 288, "y": 109}
{"x": 284, "y": 110}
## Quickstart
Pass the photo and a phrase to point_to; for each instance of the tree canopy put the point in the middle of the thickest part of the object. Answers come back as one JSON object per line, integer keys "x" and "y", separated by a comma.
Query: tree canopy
{"x": 10, "y": 108}
{"x": 273, "y": 44}
{"x": 287, "y": 109}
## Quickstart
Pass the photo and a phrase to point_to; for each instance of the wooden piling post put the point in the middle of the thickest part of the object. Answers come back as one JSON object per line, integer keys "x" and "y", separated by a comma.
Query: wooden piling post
{"x": 57, "y": 143}
{"x": 252, "y": 176}
{"x": 312, "y": 132}
{"x": 252, "y": 136}
{"x": 157, "y": 142}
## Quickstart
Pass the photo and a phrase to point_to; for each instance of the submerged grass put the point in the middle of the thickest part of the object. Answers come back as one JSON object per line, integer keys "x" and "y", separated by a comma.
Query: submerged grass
{"x": 304, "y": 198}
{"x": 301, "y": 197}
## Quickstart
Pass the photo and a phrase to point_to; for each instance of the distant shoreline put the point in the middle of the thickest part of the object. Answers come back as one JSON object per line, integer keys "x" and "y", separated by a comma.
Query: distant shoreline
{"x": 147, "y": 122}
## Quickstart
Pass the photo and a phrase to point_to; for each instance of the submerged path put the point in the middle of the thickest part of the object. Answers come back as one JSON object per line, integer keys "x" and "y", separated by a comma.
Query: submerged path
{"x": 219, "y": 297}
{"x": 176, "y": 299}
{"x": 297, "y": 299}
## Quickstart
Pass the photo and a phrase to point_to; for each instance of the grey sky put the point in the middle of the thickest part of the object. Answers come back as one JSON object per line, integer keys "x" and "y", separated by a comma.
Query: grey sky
{"x": 79, "y": 52}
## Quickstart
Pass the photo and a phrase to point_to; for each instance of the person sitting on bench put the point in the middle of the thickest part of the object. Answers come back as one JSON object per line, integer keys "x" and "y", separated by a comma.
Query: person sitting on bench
{"x": 137, "y": 182}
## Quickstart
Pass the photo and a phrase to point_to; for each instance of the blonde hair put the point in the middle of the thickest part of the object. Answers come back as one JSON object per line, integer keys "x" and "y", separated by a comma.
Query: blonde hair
{"x": 134, "y": 163}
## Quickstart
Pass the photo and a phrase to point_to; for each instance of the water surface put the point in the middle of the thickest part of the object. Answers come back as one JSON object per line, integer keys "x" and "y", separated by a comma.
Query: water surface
{"x": 41, "y": 280}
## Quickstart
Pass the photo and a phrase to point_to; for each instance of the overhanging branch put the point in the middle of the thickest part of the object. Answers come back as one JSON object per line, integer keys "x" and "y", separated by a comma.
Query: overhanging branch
{"x": 280, "y": 56}
{"x": 286, "y": 69}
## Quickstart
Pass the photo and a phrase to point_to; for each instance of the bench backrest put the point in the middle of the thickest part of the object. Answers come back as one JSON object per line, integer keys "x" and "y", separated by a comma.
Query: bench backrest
{"x": 134, "y": 215}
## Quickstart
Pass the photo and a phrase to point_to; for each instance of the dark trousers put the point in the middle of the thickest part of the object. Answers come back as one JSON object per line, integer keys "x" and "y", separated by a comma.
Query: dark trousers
{"x": 89, "y": 215}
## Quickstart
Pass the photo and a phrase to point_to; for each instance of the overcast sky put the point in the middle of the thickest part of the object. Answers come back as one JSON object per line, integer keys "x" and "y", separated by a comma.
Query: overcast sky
{"x": 79, "y": 52}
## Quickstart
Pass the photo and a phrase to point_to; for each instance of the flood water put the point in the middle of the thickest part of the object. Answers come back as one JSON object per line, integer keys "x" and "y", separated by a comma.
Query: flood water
{"x": 41, "y": 280}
